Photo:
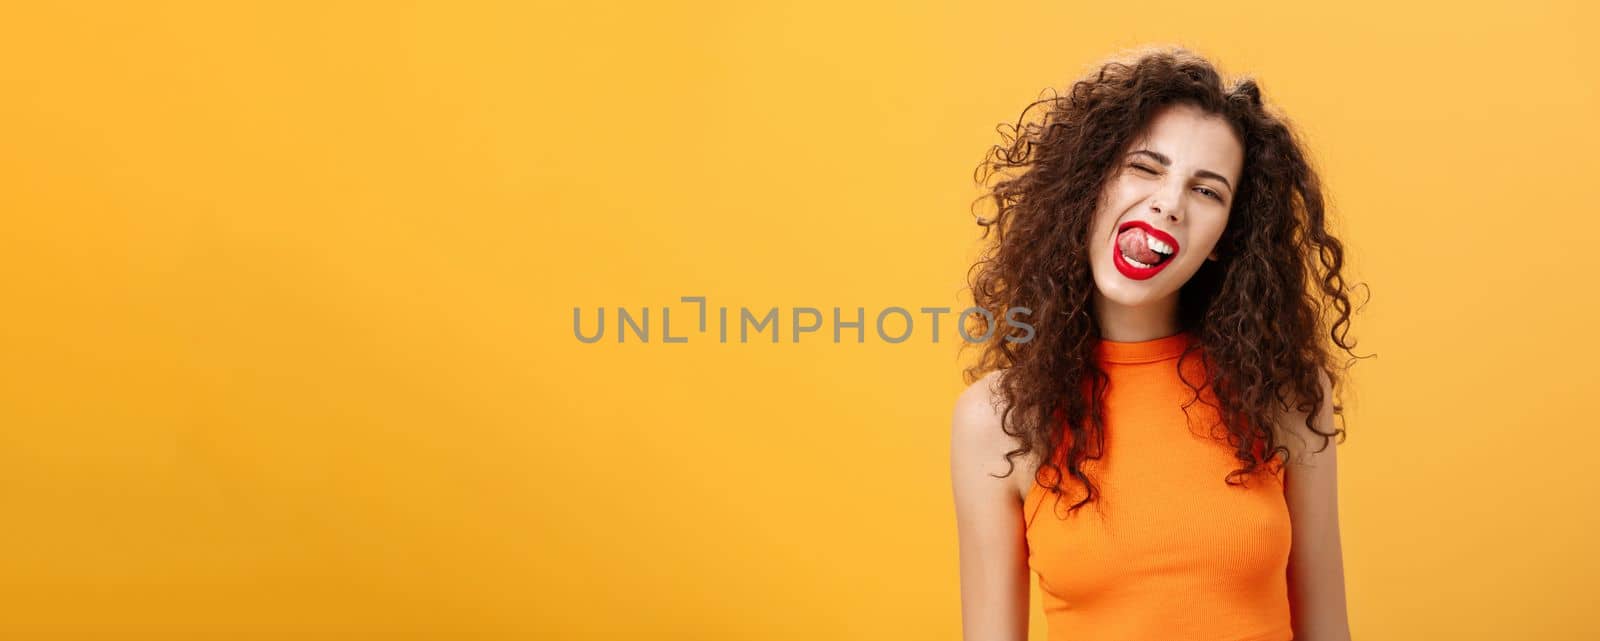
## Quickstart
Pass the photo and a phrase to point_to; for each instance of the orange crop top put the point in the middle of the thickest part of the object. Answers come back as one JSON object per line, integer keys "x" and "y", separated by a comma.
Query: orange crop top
{"x": 1172, "y": 552}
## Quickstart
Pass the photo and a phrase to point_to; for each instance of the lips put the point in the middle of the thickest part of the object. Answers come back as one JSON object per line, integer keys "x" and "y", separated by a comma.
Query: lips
{"x": 1136, "y": 271}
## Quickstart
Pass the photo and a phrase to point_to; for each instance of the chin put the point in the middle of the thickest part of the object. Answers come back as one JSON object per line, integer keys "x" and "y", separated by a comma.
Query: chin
{"x": 1132, "y": 299}
{"x": 1131, "y": 293}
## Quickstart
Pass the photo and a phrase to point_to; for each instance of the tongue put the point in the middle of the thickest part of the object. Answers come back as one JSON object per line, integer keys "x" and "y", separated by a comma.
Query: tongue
{"x": 1134, "y": 246}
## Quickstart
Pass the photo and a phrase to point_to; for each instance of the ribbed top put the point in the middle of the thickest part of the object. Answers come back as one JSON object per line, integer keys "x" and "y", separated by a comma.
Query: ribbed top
{"x": 1150, "y": 351}
{"x": 1170, "y": 550}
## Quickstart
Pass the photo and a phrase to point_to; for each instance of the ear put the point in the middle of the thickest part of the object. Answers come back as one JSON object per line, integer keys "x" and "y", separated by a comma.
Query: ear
{"x": 1212, "y": 255}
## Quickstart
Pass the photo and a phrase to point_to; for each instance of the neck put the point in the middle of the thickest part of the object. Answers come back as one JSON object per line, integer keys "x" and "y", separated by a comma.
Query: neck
{"x": 1134, "y": 323}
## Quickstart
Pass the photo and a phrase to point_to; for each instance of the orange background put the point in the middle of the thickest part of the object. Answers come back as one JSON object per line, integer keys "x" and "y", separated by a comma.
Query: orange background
{"x": 288, "y": 345}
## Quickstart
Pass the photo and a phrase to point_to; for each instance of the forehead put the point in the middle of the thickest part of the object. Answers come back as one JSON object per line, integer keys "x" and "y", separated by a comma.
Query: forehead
{"x": 1193, "y": 139}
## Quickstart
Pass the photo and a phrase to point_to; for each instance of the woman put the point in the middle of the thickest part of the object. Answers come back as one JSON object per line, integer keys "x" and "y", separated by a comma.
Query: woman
{"x": 1158, "y": 450}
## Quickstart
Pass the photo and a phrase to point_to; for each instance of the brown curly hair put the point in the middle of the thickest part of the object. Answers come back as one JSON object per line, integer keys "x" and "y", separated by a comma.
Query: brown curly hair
{"x": 1266, "y": 316}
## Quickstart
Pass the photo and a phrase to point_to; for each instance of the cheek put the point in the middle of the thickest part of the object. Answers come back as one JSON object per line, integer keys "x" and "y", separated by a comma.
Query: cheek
{"x": 1116, "y": 198}
{"x": 1122, "y": 192}
{"x": 1207, "y": 236}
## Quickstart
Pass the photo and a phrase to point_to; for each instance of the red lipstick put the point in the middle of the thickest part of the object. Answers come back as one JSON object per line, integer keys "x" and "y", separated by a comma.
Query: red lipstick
{"x": 1131, "y": 270}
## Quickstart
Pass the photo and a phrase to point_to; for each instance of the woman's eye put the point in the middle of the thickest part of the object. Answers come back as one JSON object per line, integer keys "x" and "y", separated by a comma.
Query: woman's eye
{"x": 1210, "y": 193}
{"x": 1142, "y": 168}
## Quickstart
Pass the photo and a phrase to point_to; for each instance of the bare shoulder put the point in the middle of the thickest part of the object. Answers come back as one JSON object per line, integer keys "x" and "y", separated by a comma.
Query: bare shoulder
{"x": 990, "y": 525}
{"x": 1311, "y": 492}
{"x": 1310, "y": 448}
{"x": 977, "y": 415}
{"x": 977, "y": 441}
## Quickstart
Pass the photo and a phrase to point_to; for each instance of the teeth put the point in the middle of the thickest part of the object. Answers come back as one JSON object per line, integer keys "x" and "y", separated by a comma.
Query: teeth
{"x": 1157, "y": 246}
{"x": 1135, "y": 263}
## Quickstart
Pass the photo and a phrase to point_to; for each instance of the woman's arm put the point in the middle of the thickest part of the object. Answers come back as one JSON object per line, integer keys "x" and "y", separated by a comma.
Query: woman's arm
{"x": 989, "y": 522}
{"x": 1316, "y": 564}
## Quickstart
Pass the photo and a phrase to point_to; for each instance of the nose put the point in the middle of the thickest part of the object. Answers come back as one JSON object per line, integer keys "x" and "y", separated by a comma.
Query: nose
{"x": 1167, "y": 201}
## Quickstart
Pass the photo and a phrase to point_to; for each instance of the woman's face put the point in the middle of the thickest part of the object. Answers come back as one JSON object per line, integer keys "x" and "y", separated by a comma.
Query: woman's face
{"x": 1164, "y": 207}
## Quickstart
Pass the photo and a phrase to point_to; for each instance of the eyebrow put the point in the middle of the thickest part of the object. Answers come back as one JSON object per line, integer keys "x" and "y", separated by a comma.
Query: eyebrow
{"x": 1165, "y": 161}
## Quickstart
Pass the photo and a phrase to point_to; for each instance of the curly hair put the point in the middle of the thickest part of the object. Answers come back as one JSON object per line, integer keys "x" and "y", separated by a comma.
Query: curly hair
{"x": 1267, "y": 316}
